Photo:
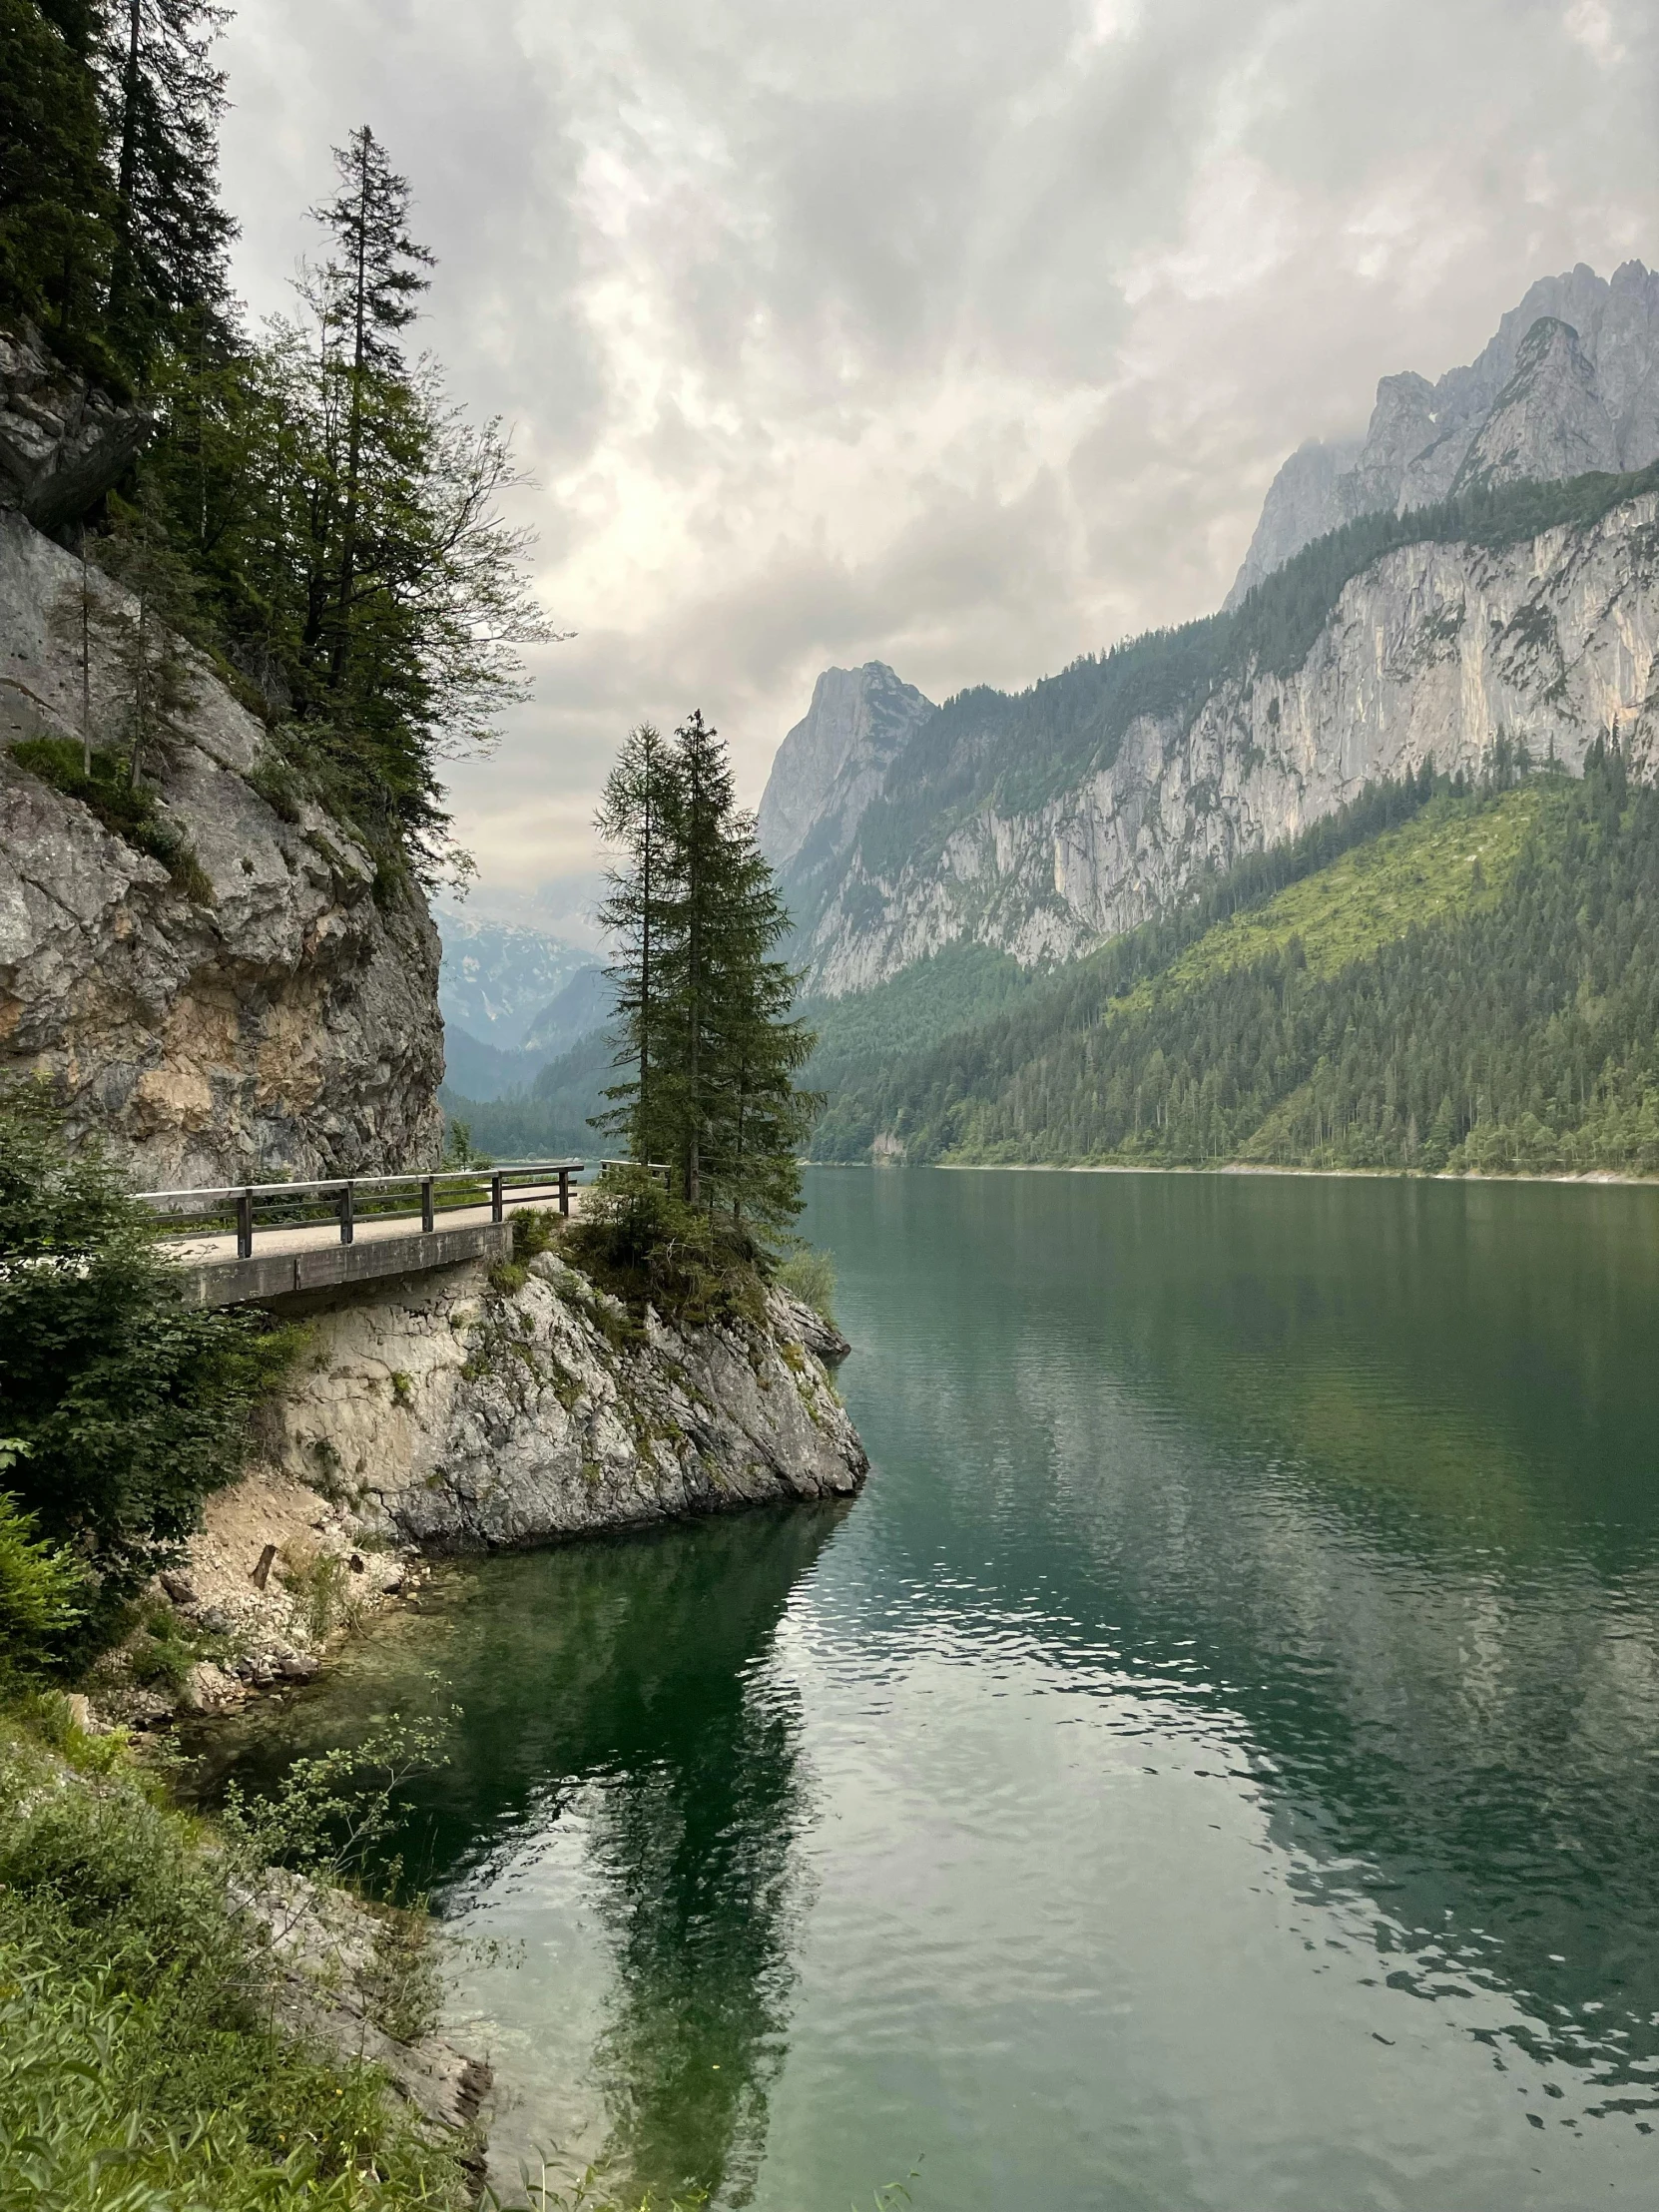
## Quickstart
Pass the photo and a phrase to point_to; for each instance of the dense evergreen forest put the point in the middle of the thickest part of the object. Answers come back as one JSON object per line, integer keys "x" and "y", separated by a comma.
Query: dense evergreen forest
{"x": 311, "y": 508}
{"x": 1436, "y": 979}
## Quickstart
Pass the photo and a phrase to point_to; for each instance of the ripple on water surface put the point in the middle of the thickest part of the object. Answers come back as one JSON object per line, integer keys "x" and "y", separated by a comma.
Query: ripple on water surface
{"x": 1214, "y": 1764}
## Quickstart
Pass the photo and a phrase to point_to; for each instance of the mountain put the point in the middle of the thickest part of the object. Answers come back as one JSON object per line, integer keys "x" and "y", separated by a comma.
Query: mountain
{"x": 828, "y": 769}
{"x": 497, "y": 977}
{"x": 475, "y": 1072}
{"x": 1569, "y": 382}
{"x": 1041, "y": 824}
{"x": 584, "y": 1004}
{"x": 1436, "y": 979}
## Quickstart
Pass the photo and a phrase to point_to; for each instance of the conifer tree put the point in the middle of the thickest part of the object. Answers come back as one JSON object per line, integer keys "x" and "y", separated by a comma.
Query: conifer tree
{"x": 162, "y": 99}
{"x": 635, "y": 813}
{"x": 373, "y": 286}
{"x": 706, "y": 1028}
{"x": 56, "y": 203}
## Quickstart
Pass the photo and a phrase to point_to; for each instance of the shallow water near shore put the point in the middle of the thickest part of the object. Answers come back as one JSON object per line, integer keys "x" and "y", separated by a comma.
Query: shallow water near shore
{"x": 1215, "y": 1764}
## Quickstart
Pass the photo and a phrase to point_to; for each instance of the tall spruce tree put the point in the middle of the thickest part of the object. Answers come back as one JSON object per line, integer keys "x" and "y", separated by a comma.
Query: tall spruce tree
{"x": 163, "y": 98}
{"x": 56, "y": 202}
{"x": 636, "y": 811}
{"x": 708, "y": 1050}
{"x": 373, "y": 283}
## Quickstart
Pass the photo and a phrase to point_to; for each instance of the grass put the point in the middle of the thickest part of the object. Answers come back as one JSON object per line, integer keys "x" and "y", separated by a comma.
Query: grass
{"x": 142, "y": 2067}
{"x": 129, "y": 812}
{"x": 1456, "y": 856}
{"x": 811, "y": 1275}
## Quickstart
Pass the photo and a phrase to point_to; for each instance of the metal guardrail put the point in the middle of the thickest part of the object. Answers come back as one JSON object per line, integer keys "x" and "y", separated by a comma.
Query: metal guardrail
{"x": 214, "y": 1208}
{"x": 337, "y": 1196}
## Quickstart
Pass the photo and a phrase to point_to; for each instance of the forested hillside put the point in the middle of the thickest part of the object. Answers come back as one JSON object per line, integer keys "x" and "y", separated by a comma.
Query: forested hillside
{"x": 1437, "y": 979}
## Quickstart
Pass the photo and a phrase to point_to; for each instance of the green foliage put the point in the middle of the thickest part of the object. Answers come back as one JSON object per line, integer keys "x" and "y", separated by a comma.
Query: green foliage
{"x": 311, "y": 508}
{"x": 56, "y": 196}
{"x": 1477, "y": 990}
{"x": 948, "y": 991}
{"x": 643, "y": 1244}
{"x": 459, "y": 1151}
{"x": 708, "y": 1048}
{"x": 129, "y": 812}
{"x": 140, "y": 2068}
{"x": 811, "y": 1273}
{"x": 41, "y": 1585}
{"x": 133, "y": 1405}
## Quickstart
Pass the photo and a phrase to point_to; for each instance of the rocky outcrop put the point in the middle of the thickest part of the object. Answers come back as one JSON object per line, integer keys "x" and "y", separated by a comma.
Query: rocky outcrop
{"x": 830, "y": 766}
{"x": 268, "y": 1012}
{"x": 456, "y": 1411}
{"x": 63, "y": 442}
{"x": 1597, "y": 396}
{"x": 1549, "y": 420}
{"x": 1438, "y": 650}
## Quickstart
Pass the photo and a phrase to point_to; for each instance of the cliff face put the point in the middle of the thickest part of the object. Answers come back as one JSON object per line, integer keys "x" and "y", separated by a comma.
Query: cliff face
{"x": 453, "y": 1414}
{"x": 1435, "y": 650}
{"x": 1568, "y": 383}
{"x": 265, "y": 1017}
{"x": 828, "y": 769}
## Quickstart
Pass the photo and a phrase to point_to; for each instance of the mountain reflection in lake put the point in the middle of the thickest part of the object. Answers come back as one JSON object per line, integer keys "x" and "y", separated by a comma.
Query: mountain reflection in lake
{"x": 1216, "y": 1764}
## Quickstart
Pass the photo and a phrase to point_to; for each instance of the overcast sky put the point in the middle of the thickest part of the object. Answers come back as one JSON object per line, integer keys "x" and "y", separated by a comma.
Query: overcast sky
{"x": 964, "y": 334}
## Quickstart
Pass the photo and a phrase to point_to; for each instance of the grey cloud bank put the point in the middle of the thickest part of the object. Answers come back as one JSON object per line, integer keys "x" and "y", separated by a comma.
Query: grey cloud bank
{"x": 965, "y": 338}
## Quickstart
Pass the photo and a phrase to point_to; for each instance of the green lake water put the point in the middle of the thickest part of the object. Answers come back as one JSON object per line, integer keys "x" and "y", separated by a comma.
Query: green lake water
{"x": 1215, "y": 1764}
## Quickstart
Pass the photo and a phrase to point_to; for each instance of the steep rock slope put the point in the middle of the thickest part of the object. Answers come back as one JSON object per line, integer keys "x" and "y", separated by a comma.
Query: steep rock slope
{"x": 830, "y": 766}
{"x": 1439, "y": 649}
{"x": 267, "y": 1015}
{"x": 455, "y": 1413}
{"x": 1605, "y": 387}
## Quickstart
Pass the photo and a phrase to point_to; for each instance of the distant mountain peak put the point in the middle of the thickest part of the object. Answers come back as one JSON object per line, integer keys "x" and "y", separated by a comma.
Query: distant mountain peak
{"x": 1585, "y": 352}
{"x": 833, "y": 763}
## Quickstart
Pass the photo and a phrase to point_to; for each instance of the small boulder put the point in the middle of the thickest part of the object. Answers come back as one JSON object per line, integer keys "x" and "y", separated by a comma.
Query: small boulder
{"x": 208, "y": 1688}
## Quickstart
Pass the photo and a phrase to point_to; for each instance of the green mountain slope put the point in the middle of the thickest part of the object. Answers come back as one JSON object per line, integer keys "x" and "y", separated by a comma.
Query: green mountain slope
{"x": 1437, "y": 979}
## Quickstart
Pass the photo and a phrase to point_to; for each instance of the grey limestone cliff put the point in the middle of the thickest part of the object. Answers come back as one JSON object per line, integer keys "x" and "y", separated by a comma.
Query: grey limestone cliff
{"x": 1435, "y": 650}
{"x": 1580, "y": 393}
{"x": 831, "y": 765}
{"x": 267, "y": 1015}
{"x": 455, "y": 1413}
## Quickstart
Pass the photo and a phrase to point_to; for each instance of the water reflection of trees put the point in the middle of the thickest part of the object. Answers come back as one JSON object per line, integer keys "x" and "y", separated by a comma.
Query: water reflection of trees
{"x": 702, "y": 1893}
{"x": 1372, "y": 1470}
{"x": 629, "y": 1675}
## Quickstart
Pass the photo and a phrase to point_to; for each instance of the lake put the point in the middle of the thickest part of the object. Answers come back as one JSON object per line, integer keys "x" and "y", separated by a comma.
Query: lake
{"x": 1215, "y": 1764}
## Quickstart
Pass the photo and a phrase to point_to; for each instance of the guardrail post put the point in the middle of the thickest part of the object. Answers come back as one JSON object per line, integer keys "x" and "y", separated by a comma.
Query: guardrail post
{"x": 347, "y": 1215}
{"x": 245, "y": 1225}
{"x": 426, "y": 1203}
{"x": 495, "y": 1197}
{"x": 564, "y": 1190}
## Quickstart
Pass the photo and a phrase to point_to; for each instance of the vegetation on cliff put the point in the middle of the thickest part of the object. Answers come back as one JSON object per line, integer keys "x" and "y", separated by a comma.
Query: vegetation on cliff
{"x": 706, "y": 1048}
{"x": 988, "y": 750}
{"x": 319, "y": 513}
{"x": 1440, "y": 979}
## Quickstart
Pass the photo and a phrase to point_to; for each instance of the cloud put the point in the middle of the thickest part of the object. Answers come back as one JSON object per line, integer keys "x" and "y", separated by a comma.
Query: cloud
{"x": 946, "y": 332}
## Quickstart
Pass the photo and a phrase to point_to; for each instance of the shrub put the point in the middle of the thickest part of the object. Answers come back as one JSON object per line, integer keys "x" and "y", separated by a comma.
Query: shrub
{"x": 140, "y": 2068}
{"x": 132, "y": 1405}
{"x": 644, "y": 1246}
{"x": 41, "y": 1587}
{"x": 811, "y": 1275}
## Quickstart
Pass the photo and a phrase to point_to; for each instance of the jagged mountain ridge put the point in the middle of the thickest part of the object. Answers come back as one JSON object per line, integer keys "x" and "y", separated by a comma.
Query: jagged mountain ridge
{"x": 1043, "y": 823}
{"x": 1534, "y": 403}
